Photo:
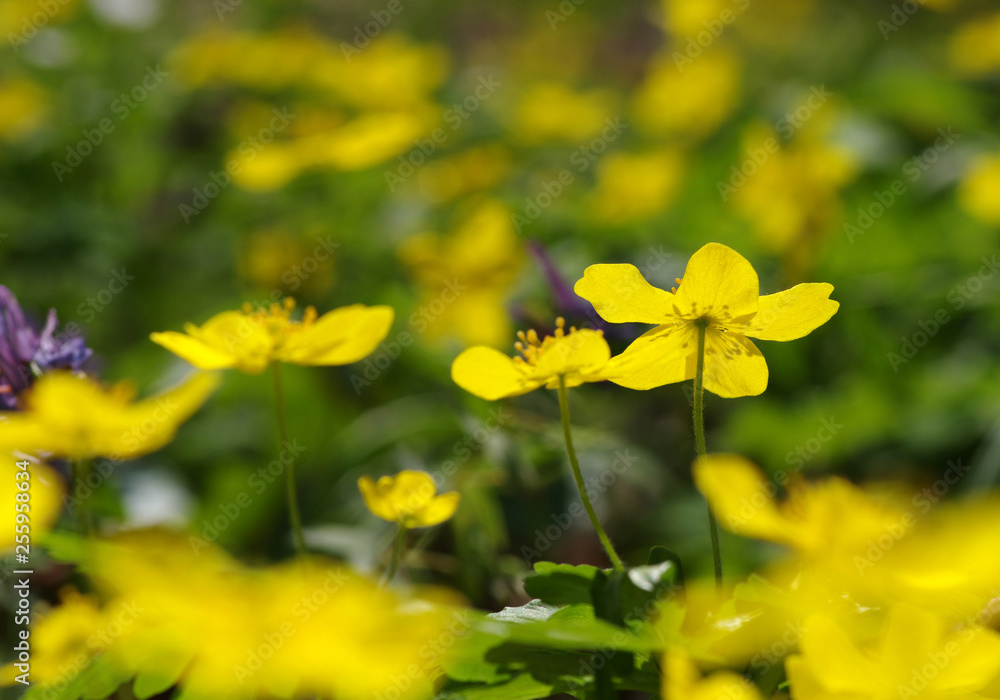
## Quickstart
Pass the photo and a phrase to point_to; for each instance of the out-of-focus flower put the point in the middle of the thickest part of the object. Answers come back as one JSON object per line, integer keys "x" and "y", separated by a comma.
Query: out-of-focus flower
{"x": 477, "y": 168}
{"x": 249, "y": 340}
{"x": 355, "y": 644}
{"x": 917, "y": 656}
{"x": 25, "y": 353}
{"x": 681, "y": 679}
{"x": 634, "y": 186}
{"x": 550, "y": 111}
{"x": 17, "y": 18}
{"x": 719, "y": 292}
{"x": 690, "y": 99}
{"x": 70, "y": 416}
{"x": 978, "y": 189}
{"x": 464, "y": 279}
{"x": 392, "y": 73}
{"x": 23, "y": 106}
{"x": 277, "y": 258}
{"x": 792, "y": 196}
{"x": 578, "y": 356}
{"x": 44, "y": 498}
{"x": 974, "y": 49}
{"x": 409, "y": 498}
{"x": 811, "y": 520}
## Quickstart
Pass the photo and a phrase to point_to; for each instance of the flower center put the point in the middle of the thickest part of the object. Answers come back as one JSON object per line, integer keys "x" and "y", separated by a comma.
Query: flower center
{"x": 531, "y": 347}
{"x": 277, "y": 318}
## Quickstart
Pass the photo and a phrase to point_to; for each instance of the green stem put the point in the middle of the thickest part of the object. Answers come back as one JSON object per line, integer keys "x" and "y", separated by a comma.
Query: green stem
{"x": 81, "y": 470}
{"x": 293, "y": 499}
{"x": 699, "y": 440}
{"x": 399, "y": 544}
{"x": 578, "y": 477}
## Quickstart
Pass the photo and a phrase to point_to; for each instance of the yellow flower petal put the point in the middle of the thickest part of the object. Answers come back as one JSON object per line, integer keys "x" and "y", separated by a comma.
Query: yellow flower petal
{"x": 741, "y": 497}
{"x": 719, "y": 282}
{"x": 832, "y": 658}
{"x": 409, "y": 498}
{"x": 437, "y": 511}
{"x": 620, "y": 294}
{"x": 194, "y": 351}
{"x": 341, "y": 336}
{"x": 793, "y": 313}
{"x": 733, "y": 365}
{"x": 582, "y": 354}
{"x": 663, "y": 355}
{"x": 490, "y": 375}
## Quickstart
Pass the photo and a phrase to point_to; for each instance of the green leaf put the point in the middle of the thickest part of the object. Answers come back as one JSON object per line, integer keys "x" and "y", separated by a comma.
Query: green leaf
{"x": 571, "y": 627}
{"x": 523, "y": 687}
{"x": 148, "y": 684}
{"x": 66, "y": 547}
{"x": 561, "y": 584}
{"x": 532, "y": 611}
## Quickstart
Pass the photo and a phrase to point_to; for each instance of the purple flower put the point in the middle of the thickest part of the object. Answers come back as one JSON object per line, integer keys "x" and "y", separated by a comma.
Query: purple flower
{"x": 24, "y": 352}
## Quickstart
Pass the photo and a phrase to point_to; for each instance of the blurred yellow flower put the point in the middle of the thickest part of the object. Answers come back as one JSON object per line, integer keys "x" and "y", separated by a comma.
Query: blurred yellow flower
{"x": 790, "y": 192}
{"x": 278, "y": 259}
{"x": 478, "y": 168}
{"x": 720, "y": 293}
{"x": 409, "y": 498}
{"x": 974, "y": 50}
{"x": 249, "y": 340}
{"x": 44, "y": 498}
{"x": 578, "y": 356}
{"x": 811, "y": 520}
{"x": 183, "y": 612}
{"x": 551, "y": 111}
{"x": 23, "y": 106}
{"x": 978, "y": 190}
{"x": 464, "y": 279}
{"x": 682, "y": 681}
{"x": 687, "y": 99}
{"x": 72, "y": 416}
{"x": 635, "y": 186}
{"x": 918, "y": 656}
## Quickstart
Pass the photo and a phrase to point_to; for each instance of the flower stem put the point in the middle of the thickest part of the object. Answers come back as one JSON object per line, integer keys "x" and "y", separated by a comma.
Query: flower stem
{"x": 578, "y": 477}
{"x": 293, "y": 499}
{"x": 399, "y": 544}
{"x": 699, "y": 441}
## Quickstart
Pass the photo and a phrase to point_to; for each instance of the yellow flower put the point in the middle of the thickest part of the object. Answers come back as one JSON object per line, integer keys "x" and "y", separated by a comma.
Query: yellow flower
{"x": 477, "y": 168}
{"x": 44, "y": 502}
{"x": 465, "y": 278}
{"x": 409, "y": 498}
{"x": 551, "y": 111}
{"x": 689, "y": 99}
{"x": 918, "y": 656}
{"x": 251, "y": 340}
{"x": 179, "y": 610}
{"x": 579, "y": 356}
{"x": 974, "y": 50}
{"x": 71, "y": 416}
{"x": 634, "y": 186}
{"x": 719, "y": 292}
{"x": 811, "y": 520}
{"x": 23, "y": 105}
{"x": 681, "y": 681}
{"x": 977, "y": 191}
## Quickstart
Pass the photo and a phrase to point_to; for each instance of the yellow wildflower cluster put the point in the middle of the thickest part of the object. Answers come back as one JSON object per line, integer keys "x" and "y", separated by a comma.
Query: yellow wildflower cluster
{"x": 173, "y": 612}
